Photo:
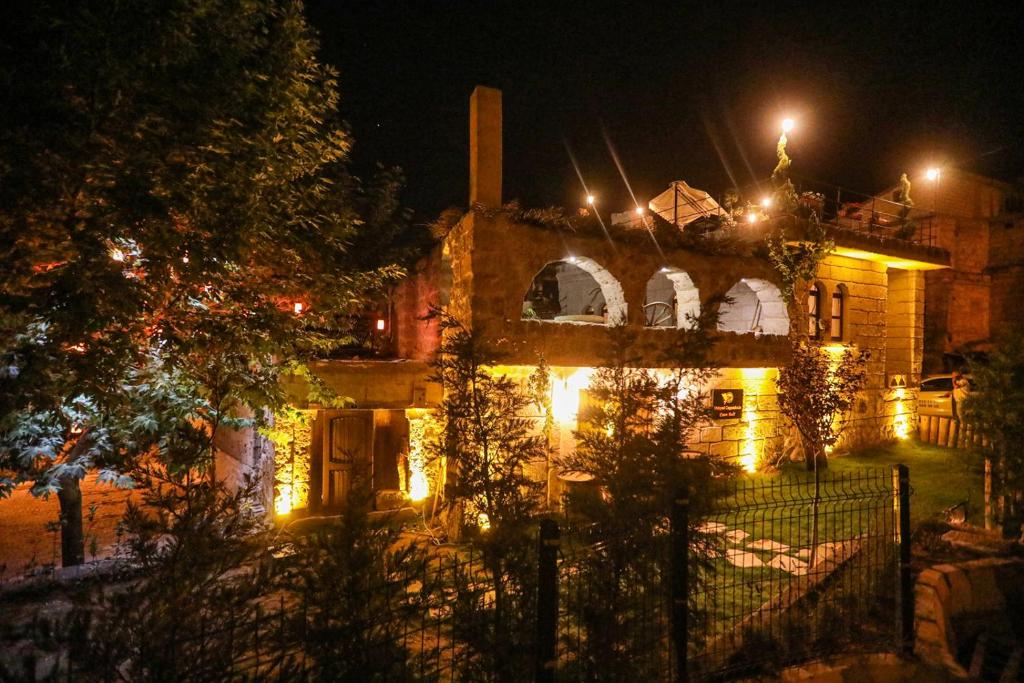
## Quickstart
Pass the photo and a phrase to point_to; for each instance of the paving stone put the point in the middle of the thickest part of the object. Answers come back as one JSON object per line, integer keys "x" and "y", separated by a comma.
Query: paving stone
{"x": 736, "y": 535}
{"x": 742, "y": 559}
{"x": 768, "y": 544}
{"x": 712, "y": 527}
{"x": 788, "y": 564}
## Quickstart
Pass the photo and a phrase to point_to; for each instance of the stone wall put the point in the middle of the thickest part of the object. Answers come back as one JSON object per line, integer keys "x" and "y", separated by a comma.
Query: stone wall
{"x": 491, "y": 279}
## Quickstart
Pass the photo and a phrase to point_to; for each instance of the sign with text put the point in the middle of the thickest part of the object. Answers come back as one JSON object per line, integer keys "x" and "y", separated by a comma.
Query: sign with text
{"x": 726, "y": 403}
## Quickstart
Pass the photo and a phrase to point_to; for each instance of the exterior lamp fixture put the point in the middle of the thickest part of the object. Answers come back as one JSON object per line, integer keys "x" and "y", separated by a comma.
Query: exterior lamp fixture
{"x": 932, "y": 174}
{"x": 766, "y": 202}
{"x": 117, "y": 254}
{"x": 751, "y": 217}
{"x": 639, "y": 211}
{"x": 591, "y": 199}
{"x": 297, "y": 307}
{"x": 380, "y": 324}
{"x": 571, "y": 259}
{"x": 787, "y": 125}
{"x": 664, "y": 269}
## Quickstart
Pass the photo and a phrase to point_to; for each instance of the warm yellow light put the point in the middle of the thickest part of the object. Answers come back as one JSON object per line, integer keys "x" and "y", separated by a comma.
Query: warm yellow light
{"x": 766, "y": 202}
{"x": 297, "y": 307}
{"x": 788, "y": 125}
{"x": 565, "y": 395}
{"x": 751, "y": 217}
{"x": 483, "y": 521}
{"x": 900, "y": 423}
{"x": 117, "y": 254}
{"x": 590, "y": 199}
{"x": 419, "y": 488}
{"x": 283, "y": 502}
{"x": 932, "y": 174}
{"x": 639, "y": 211}
{"x": 380, "y": 324}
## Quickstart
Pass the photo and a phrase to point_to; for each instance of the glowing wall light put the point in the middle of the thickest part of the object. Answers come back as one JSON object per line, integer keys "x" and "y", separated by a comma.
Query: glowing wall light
{"x": 283, "y": 501}
{"x": 421, "y": 428}
{"x": 900, "y": 423}
{"x": 756, "y": 381}
{"x": 380, "y": 324}
{"x": 565, "y": 395}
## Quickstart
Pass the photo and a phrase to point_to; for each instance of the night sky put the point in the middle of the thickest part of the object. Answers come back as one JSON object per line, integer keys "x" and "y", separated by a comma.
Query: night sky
{"x": 686, "y": 90}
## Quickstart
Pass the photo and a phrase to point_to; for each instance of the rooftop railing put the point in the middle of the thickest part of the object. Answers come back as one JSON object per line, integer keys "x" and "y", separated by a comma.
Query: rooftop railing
{"x": 834, "y": 205}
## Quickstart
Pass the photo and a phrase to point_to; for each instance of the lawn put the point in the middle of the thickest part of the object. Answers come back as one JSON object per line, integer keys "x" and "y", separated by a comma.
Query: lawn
{"x": 939, "y": 477}
{"x": 769, "y": 520}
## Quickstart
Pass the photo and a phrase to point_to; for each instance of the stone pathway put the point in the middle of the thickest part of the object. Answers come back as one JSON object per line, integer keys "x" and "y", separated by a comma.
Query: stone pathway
{"x": 764, "y": 552}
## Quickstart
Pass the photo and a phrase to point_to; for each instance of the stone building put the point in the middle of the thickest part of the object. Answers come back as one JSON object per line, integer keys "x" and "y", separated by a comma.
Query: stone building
{"x": 545, "y": 292}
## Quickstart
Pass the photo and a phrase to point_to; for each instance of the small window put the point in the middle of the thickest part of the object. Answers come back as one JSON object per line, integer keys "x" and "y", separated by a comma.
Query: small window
{"x": 814, "y": 311}
{"x": 837, "y": 314}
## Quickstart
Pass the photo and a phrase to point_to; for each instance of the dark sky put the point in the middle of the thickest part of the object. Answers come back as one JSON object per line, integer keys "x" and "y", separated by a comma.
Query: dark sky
{"x": 685, "y": 90}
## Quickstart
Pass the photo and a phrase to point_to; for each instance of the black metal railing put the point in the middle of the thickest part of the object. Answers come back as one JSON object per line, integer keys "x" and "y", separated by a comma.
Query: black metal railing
{"x": 834, "y": 205}
{"x": 781, "y": 570}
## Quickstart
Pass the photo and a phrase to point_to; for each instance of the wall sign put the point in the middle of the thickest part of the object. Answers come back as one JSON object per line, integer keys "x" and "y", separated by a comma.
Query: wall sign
{"x": 726, "y": 403}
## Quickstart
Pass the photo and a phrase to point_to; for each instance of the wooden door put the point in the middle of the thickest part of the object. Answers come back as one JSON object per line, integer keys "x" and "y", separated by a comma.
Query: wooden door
{"x": 348, "y": 452}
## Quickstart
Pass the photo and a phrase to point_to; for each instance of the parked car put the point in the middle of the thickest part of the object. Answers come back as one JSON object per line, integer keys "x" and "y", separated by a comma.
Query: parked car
{"x": 937, "y": 395}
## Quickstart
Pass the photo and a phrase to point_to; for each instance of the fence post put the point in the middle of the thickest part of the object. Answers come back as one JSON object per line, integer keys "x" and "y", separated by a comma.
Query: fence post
{"x": 901, "y": 490}
{"x": 679, "y": 545}
{"x": 547, "y": 601}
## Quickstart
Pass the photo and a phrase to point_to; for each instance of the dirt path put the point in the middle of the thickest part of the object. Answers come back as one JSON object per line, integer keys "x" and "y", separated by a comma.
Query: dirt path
{"x": 25, "y": 542}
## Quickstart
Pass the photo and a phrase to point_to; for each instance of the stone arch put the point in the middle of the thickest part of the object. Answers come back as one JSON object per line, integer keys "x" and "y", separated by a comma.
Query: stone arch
{"x": 575, "y": 290}
{"x": 757, "y": 308}
{"x": 672, "y": 300}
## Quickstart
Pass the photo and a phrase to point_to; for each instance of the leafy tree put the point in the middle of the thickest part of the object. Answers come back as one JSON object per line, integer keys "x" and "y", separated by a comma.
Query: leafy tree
{"x": 486, "y": 445}
{"x": 796, "y": 265}
{"x": 994, "y": 408}
{"x": 815, "y": 390}
{"x": 633, "y": 440}
{"x": 173, "y": 182}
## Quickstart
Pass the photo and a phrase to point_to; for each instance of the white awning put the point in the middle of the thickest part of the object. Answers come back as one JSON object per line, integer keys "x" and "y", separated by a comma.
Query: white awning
{"x": 683, "y": 204}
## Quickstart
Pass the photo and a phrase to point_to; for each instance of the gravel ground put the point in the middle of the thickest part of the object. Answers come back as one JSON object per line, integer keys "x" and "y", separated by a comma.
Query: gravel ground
{"x": 25, "y": 542}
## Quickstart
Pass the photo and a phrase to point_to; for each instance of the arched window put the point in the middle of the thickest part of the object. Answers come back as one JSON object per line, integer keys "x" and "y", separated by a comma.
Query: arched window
{"x": 576, "y": 290}
{"x": 814, "y": 296}
{"x": 838, "y": 306}
{"x": 756, "y": 308}
{"x": 672, "y": 300}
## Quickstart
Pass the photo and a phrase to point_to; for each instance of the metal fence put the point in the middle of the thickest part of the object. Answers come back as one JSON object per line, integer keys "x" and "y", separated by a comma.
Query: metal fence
{"x": 781, "y": 570}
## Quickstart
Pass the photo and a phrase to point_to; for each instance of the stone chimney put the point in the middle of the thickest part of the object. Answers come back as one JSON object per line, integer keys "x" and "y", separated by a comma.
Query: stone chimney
{"x": 485, "y": 147}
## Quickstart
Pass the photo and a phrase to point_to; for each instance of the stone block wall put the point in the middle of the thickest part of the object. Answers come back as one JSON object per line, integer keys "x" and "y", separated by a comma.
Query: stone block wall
{"x": 493, "y": 270}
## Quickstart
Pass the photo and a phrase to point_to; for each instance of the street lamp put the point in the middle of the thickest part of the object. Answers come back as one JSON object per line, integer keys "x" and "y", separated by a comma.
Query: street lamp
{"x": 932, "y": 174}
{"x": 639, "y": 211}
{"x": 787, "y": 125}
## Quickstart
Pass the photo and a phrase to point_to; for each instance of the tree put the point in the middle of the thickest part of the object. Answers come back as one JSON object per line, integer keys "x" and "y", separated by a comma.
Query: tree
{"x": 634, "y": 441}
{"x": 173, "y": 183}
{"x": 486, "y": 445}
{"x": 994, "y": 408}
{"x": 815, "y": 390}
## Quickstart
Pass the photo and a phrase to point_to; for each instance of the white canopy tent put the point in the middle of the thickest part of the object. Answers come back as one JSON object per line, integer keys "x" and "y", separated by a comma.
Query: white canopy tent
{"x": 682, "y": 204}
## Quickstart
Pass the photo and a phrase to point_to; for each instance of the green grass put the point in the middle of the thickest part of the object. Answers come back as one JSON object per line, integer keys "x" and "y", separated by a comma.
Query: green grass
{"x": 939, "y": 477}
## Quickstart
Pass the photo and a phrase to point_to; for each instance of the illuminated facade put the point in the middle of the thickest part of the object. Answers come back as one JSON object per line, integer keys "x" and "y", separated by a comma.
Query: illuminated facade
{"x": 541, "y": 291}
